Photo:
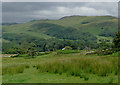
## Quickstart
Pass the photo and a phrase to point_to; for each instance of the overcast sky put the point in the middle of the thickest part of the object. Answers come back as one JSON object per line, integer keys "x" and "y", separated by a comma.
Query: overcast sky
{"x": 26, "y": 11}
{"x": 60, "y": 0}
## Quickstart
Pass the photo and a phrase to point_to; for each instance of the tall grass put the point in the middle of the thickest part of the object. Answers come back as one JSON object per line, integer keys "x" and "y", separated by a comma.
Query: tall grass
{"x": 14, "y": 69}
{"x": 80, "y": 66}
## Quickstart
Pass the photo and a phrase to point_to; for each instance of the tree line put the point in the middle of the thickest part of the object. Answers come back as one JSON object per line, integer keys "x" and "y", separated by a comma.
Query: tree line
{"x": 52, "y": 44}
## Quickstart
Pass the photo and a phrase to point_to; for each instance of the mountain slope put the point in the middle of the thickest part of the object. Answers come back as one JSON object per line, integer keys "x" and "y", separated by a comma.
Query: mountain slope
{"x": 87, "y": 29}
{"x": 93, "y": 24}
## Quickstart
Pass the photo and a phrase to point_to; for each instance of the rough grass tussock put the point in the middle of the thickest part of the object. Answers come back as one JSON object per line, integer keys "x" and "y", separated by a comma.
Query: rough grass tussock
{"x": 80, "y": 65}
{"x": 14, "y": 69}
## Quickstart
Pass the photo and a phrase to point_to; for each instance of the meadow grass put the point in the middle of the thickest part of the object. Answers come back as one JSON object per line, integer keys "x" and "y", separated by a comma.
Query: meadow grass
{"x": 14, "y": 69}
{"x": 79, "y": 66}
{"x": 68, "y": 67}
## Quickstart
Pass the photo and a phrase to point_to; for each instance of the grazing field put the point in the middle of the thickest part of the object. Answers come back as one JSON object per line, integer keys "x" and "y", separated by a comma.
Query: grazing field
{"x": 61, "y": 68}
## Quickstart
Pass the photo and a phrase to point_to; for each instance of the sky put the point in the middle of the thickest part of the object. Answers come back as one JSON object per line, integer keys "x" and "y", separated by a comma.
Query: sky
{"x": 60, "y": 0}
{"x": 26, "y": 11}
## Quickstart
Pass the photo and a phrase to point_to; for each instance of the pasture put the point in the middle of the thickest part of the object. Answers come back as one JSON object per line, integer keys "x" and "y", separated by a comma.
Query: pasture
{"x": 61, "y": 68}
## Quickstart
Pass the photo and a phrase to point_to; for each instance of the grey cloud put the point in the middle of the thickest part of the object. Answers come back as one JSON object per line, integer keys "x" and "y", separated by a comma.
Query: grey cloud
{"x": 60, "y": 0}
{"x": 26, "y": 11}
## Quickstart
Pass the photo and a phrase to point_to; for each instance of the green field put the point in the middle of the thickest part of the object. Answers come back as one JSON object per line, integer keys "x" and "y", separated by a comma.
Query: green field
{"x": 95, "y": 69}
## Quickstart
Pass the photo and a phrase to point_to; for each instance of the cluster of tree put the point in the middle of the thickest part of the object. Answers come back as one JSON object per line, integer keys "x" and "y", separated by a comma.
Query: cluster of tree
{"x": 105, "y": 48}
{"x": 106, "y": 40}
{"x": 107, "y": 33}
{"x": 52, "y": 44}
{"x": 48, "y": 44}
{"x": 26, "y": 49}
{"x": 71, "y": 34}
{"x": 61, "y": 32}
{"x": 116, "y": 41}
{"x": 62, "y": 37}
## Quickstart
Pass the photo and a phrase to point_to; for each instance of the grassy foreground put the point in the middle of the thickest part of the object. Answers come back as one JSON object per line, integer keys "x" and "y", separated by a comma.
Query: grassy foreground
{"x": 61, "y": 68}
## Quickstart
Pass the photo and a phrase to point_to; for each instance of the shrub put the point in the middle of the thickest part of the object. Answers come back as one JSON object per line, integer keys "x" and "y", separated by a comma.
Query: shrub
{"x": 106, "y": 51}
{"x": 68, "y": 48}
{"x": 111, "y": 80}
{"x": 86, "y": 78}
{"x": 27, "y": 66}
{"x": 67, "y": 51}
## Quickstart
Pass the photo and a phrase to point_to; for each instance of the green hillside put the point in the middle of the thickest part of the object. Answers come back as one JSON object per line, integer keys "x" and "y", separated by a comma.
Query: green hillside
{"x": 72, "y": 28}
{"x": 91, "y": 24}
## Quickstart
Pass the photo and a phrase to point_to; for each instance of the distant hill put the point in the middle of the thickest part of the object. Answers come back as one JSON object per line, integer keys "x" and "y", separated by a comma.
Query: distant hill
{"x": 97, "y": 25}
{"x": 69, "y": 27}
{"x": 9, "y": 23}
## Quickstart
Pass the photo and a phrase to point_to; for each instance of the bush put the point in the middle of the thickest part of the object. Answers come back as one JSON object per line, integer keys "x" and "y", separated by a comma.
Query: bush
{"x": 27, "y": 66}
{"x": 111, "y": 80}
{"x": 68, "y": 48}
{"x": 86, "y": 78}
{"x": 106, "y": 51}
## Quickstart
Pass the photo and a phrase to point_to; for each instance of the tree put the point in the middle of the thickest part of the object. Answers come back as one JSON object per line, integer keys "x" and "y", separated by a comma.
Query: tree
{"x": 116, "y": 40}
{"x": 47, "y": 47}
{"x": 44, "y": 47}
{"x": 32, "y": 49}
{"x": 104, "y": 45}
{"x": 23, "y": 49}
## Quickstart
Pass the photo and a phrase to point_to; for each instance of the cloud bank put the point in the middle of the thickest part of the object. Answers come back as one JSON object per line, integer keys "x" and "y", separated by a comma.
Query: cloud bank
{"x": 26, "y": 11}
{"x": 60, "y": 0}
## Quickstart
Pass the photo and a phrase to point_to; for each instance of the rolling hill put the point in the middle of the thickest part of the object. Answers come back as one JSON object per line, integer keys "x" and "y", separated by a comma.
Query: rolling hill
{"x": 84, "y": 28}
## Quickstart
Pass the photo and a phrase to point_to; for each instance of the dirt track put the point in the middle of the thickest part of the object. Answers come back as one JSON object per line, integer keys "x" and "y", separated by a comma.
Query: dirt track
{"x": 7, "y": 55}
